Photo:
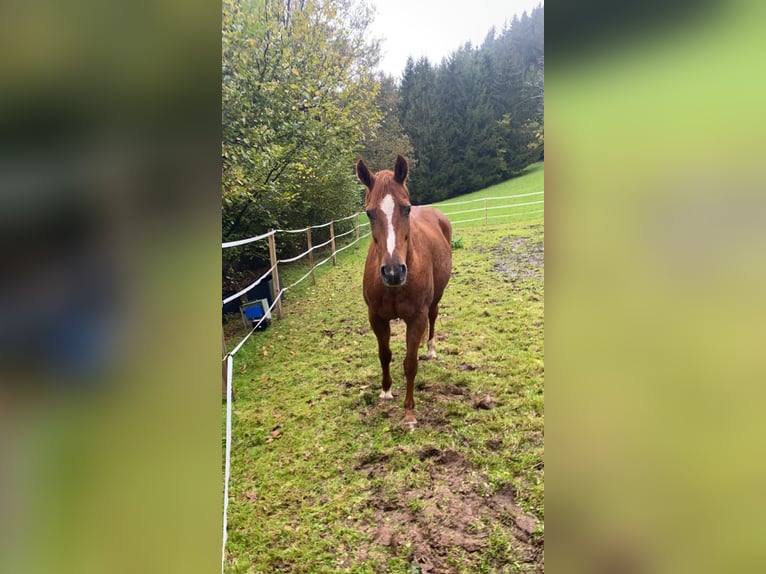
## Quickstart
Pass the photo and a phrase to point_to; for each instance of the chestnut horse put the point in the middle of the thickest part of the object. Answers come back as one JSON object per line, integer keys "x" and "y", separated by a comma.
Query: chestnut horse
{"x": 408, "y": 266}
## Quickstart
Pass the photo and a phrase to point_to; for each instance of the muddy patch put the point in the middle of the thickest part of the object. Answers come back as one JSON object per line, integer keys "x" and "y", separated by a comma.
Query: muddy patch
{"x": 451, "y": 512}
{"x": 519, "y": 258}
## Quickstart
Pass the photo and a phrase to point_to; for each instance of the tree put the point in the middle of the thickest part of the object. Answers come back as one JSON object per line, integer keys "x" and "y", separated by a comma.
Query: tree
{"x": 388, "y": 139}
{"x": 519, "y": 91}
{"x": 419, "y": 111}
{"x": 298, "y": 95}
{"x": 477, "y": 118}
{"x": 298, "y": 98}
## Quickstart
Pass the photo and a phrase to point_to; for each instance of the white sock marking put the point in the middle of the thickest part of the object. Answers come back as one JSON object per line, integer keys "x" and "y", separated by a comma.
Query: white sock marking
{"x": 387, "y": 206}
{"x": 431, "y": 349}
{"x": 386, "y": 395}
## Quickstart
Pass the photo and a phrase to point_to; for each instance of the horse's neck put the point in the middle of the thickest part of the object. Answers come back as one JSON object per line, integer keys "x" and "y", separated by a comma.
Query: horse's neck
{"x": 418, "y": 243}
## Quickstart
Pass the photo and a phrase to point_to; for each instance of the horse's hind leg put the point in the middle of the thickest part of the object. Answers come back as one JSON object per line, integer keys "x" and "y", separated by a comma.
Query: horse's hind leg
{"x": 382, "y": 331}
{"x": 433, "y": 312}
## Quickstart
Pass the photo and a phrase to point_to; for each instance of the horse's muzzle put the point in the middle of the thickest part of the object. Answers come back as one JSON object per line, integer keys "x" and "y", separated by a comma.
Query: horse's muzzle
{"x": 393, "y": 275}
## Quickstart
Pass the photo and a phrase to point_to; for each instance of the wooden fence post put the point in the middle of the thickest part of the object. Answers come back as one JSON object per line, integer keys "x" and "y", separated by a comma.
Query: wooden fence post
{"x": 332, "y": 242}
{"x": 311, "y": 255}
{"x": 275, "y": 275}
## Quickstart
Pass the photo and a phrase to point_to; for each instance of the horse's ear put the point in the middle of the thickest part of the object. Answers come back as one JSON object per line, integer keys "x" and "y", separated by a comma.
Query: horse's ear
{"x": 400, "y": 169}
{"x": 364, "y": 174}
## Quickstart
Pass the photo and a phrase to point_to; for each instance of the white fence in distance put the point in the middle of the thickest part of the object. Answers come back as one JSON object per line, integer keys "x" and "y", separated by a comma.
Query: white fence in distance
{"x": 444, "y": 207}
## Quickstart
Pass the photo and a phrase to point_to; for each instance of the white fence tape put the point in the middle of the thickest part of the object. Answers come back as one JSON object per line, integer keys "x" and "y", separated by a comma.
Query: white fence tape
{"x": 227, "y": 465}
{"x": 254, "y": 284}
{"x": 495, "y": 207}
{"x": 297, "y": 256}
{"x": 490, "y": 199}
{"x": 304, "y": 229}
{"x": 344, "y": 234}
{"x": 320, "y": 245}
{"x": 248, "y": 240}
{"x": 258, "y": 324}
{"x": 498, "y": 216}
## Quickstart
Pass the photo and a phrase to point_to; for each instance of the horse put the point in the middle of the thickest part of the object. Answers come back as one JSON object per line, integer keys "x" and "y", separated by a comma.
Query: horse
{"x": 408, "y": 266}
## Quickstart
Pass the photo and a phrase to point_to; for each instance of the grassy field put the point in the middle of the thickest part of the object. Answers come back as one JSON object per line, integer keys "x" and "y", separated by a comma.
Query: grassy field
{"x": 325, "y": 477}
{"x": 532, "y": 181}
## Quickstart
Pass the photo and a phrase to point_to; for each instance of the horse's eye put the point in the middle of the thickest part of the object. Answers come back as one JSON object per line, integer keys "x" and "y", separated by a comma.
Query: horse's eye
{"x": 371, "y": 214}
{"x": 406, "y": 210}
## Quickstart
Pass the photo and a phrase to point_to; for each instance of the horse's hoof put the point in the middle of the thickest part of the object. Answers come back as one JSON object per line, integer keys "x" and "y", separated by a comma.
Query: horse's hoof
{"x": 386, "y": 395}
{"x": 411, "y": 425}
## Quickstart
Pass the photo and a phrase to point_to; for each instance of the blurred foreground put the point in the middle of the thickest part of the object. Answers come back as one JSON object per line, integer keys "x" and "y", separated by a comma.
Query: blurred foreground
{"x": 109, "y": 235}
{"x": 656, "y": 270}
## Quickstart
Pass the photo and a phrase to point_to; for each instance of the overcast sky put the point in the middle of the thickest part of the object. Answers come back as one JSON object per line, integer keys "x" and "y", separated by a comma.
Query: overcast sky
{"x": 435, "y": 28}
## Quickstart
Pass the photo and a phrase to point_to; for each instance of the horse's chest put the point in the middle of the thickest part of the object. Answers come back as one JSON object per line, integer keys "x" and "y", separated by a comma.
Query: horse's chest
{"x": 402, "y": 302}
{"x": 392, "y": 309}
{"x": 397, "y": 304}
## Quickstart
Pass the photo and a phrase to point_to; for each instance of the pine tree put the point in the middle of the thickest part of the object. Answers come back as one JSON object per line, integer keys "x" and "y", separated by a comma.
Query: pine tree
{"x": 477, "y": 118}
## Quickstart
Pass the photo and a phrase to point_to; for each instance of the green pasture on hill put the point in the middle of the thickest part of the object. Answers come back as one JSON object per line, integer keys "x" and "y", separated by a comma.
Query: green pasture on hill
{"x": 531, "y": 182}
{"x": 324, "y": 476}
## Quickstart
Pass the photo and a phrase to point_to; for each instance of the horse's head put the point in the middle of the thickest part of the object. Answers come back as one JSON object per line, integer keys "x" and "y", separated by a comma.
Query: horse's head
{"x": 387, "y": 203}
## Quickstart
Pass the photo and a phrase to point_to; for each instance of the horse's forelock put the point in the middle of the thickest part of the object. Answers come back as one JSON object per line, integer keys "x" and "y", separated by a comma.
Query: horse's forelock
{"x": 386, "y": 184}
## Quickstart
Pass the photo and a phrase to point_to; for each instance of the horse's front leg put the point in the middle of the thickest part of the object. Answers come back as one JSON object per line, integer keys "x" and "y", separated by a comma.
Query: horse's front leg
{"x": 416, "y": 328}
{"x": 382, "y": 330}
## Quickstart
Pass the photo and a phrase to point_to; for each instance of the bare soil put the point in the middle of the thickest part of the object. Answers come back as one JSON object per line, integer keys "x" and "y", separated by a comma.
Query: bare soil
{"x": 520, "y": 258}
{"x": 454, "y": 510}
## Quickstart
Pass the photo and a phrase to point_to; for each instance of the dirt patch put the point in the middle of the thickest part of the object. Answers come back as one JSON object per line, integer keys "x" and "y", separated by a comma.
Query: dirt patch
{"x": 485, "y": 402}
{"x": 503, "y": 502}
{"x": 519, "y": 258}
{"x": 454, "y": 512}
{"x": 372, "y": 459}
{"x": 494, "y": 444}
{"x": 357, "y": 330}
{"x": 429, "y": 452}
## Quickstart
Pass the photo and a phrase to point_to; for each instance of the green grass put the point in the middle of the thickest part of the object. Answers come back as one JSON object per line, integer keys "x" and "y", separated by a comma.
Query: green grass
{"x": 531, "y": 181}
{"x": 325, "y": 478}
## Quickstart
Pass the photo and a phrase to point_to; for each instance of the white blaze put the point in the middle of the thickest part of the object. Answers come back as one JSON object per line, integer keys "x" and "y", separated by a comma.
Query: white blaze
{"x": 387, "y": 206}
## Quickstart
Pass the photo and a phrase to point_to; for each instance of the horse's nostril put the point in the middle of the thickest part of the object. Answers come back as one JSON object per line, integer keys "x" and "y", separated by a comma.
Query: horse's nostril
{"x": 393, "y": 274}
